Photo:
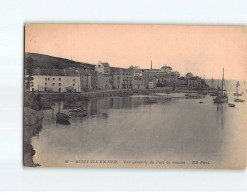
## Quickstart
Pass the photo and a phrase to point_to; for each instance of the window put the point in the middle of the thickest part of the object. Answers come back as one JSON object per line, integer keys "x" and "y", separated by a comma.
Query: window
{"x": 73, "y": 84}
{"x": 53, "y": 79}
{"x": 59, "y": 79}
{"x": 53, "y": 84}
{"x": 46, "y": 79}
{"x": 59, "y": 84}
{"x": 45, "y": 83}
{"x": 74, "y": 80}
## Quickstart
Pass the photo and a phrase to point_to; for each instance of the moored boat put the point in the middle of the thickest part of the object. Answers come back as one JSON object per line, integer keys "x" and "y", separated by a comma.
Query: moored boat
{"x": 237, "y": 94}
{"x": 222, "y": 96}
{"x": 150, "y": 101}
{"x": 77, "y": 110}
{"x": 231, "y": 105}
{"x": 214, "y": 94}
{"x": 193, "y": 95}
{"x": 238, "y": 100}
{"x": 62, "y": 116}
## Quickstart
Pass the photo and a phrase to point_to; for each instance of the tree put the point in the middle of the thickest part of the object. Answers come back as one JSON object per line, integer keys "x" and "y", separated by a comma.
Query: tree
{"x": 29, "y": 66}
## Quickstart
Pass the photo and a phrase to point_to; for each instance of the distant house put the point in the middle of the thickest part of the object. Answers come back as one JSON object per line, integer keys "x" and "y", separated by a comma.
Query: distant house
{"x": 122, "y": 78}
{"x": 166, "y": 69}
{"x": 85, "y": 79}
{"x": 195, "y": 82}
{"x": 182, "y": 82}
{"x": 138, "y": 82}
{"x": 56, "y": 80}
{"x": 104, "y": 81}
{"x": 189, "y": 75}
{"x": 103, "y": 67}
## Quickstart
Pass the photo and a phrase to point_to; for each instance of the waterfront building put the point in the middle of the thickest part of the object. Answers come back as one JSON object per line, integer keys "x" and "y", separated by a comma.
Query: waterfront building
{"x": 56, "y": 80}
{"x": 151, "y": 84}
{"x": 189, "y": 75}
{"x": 166, "y": 69}
{"x": 195, "y": 82}
{"x": 104, "y": 81}
{"x": 103, "y": 68}
{"x": 122, "y": 78}
{"x": 85, "y": 79}
{"x": 136, "y": 70}
{"x": 182, "y": 82}
{"x": 138, "y": 82}
{"x": 128, "y": 79}
{"x": 117, "y": 77}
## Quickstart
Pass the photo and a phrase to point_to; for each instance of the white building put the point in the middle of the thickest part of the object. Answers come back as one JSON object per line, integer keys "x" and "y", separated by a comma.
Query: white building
{"x": 56, "y": 80}
{"x": 103, "y": 67}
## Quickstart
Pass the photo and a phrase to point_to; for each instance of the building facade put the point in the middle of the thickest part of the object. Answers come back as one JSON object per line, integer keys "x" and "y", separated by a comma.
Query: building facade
{"x": 104, "y": 81}
{"x": 138, "y": 82}
{"x": 103, "y": 68}
{"x": 56, "y": 80}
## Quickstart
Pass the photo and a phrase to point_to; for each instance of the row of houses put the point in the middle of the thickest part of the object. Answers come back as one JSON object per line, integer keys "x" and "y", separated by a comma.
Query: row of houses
{"x": 105, "y": 77}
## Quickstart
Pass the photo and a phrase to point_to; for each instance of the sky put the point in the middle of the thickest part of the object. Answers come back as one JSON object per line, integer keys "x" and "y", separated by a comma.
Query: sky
{"x": 201, "y": 50}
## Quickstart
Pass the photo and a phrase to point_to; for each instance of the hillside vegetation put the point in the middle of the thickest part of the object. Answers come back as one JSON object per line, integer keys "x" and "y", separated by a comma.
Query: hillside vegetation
{"x": 49, "y": 62}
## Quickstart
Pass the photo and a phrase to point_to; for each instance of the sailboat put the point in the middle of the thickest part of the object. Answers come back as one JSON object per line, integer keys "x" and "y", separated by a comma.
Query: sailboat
{"x": 222, "y": 96}
{"x": 215, "y": 93}
{"x": 237, "y": 94}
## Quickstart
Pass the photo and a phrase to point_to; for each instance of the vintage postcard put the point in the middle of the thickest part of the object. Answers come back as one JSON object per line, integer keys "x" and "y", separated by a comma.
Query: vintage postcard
{"x": 135, "y": 96}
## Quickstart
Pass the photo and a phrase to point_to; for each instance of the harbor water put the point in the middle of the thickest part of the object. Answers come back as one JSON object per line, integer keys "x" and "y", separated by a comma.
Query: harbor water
{"x": 175, "y": 128}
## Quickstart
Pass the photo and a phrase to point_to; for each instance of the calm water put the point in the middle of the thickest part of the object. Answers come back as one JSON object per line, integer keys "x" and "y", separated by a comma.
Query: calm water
{"x": 127, "y": 128}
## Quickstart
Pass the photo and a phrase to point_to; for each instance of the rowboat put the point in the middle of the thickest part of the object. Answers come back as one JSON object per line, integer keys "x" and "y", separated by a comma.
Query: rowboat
{"x": 231, "y": 105}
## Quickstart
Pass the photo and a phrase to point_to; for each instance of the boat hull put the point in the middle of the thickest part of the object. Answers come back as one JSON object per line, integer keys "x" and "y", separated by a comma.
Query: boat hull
{"x": 231, "y": 105}
{"x": 238, "y": 100}
{"x": 237, "y": 94}
{"x": 220, "y": 100}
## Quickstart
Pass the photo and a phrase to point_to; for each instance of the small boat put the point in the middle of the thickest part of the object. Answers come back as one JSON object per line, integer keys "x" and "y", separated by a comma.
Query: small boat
{"x": 222, "y": 96}
{"x": 64, "y": 122}
{"x": 237, "y": 94}
{"x": 62, "y": 116}
{"x": 78, "y": 114}
{"x": 231, "y": 105}
{"x": 77, "y": 110}
{"x": 150, "y": 101}
{"x": 214, "y": 94}
{"x": 193, "y": 95}
{"x": 238, "y": 100}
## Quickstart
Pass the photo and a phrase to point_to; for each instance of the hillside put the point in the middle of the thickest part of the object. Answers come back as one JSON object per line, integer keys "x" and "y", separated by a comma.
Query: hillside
{"x": 49, "y": 62}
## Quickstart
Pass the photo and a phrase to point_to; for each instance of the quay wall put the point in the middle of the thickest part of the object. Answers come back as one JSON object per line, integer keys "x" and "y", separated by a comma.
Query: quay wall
{"x": 121, "y": 93}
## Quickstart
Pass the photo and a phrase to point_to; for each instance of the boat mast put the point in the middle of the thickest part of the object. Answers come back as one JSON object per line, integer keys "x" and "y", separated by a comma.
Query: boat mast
{"x": 222, "y": 83}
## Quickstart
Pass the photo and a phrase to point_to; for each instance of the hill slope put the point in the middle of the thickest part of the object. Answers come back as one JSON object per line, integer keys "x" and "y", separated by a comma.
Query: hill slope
{"x": 49, "y": 62}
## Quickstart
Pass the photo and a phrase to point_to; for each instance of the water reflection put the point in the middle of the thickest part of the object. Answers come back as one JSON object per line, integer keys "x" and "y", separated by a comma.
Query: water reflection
{"x": 220, "y": 115}
{"x": 129, "y": 128}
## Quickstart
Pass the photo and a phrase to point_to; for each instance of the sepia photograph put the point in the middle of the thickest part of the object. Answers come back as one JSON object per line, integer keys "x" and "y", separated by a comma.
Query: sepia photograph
{"x": 135, "y": 96}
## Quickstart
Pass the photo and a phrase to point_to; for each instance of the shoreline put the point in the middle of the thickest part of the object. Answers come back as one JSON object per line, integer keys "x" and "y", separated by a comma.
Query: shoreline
{"x": 117, "y": 93}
